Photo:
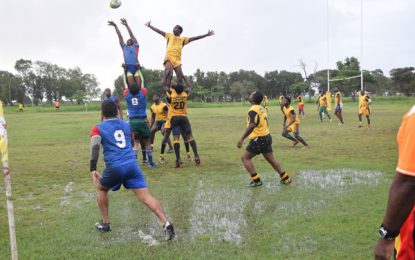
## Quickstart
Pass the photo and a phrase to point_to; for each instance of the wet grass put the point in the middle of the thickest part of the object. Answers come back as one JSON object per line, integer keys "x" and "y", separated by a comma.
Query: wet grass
{"x": 331, "y": 210}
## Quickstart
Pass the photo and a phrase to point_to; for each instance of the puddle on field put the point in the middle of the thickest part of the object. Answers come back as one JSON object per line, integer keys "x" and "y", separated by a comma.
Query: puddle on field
{"x": 336, "y": 179}
{"x": 218, "y": 213}
{"x": 66, "y": 200}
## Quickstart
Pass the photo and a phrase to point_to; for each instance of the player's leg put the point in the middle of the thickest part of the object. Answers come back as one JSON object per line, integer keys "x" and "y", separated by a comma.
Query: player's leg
{"x": 368, "y": 121}
{"x": 284, "y": 178}
{"x": 176, "y": 145}
{"x": 168, "y": 74}
{"x": 186, "y": 145}
{"x": 163, "y": 132}
{"x": 180, "y": 76}
{"x": 138, "y": 78}
{"x": 166, "y": 138}
{"x": 296, "y": 130}
{"x": 143, "y": 148}
{"x": 249, "y": 166}
{"x": 145, "y": 134}
{"x": 154, "y": 129}
{"x": 187, "y": 129}
{"x": 320, "y": 113}
{"x": 288, "y": 136}
{"x": 360, "y": 120}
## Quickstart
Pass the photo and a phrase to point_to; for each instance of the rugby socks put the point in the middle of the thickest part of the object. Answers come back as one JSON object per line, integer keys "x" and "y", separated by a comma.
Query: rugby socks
{"x": 150, "y": 156}
{"x": 284, "y": 176}
{"x": 288, "y": 136}
{"x": 186, "y": 145}
{"x": 194, "y": 147}
{"x": 299, "y": 138}
{"x": 256, "y": 177}
{"x": 176, "y": 145}
{"x": 163, "y": 148}
{"x": 144, "y": 153}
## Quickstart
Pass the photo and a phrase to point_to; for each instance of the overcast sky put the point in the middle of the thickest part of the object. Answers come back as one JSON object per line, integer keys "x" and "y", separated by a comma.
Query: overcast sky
{"x": 261, "y": 35}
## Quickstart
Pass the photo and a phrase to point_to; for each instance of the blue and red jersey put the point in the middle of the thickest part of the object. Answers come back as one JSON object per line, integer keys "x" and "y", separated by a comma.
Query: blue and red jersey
{"x": 136, "y": 104}
{"x": 116, "y": 136}
{"x": 130, "y": 54}
{"x": 112, "y": 98}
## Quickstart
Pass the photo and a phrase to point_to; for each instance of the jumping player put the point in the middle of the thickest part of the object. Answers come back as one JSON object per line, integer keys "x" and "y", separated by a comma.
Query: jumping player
{"x": 339, "y": 106}
{"x": 260, "y": 142}
{"x": 291, "y": 124}
{"x": 172, "y": 60}
{"x": 115, "y": 136}
{"x": 130, "y": 52}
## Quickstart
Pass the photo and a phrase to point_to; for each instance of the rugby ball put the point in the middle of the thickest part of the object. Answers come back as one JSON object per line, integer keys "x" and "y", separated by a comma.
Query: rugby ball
{"x": 115, "y": 3}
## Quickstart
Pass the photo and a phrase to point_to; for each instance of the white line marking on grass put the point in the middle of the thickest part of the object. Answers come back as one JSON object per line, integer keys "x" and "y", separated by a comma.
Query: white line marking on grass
{"x": 218, "y": 213}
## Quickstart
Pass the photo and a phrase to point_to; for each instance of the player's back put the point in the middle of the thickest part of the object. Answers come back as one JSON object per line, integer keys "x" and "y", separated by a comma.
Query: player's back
{"x": 136, "y": 104}
{"x": 116, "y": 136}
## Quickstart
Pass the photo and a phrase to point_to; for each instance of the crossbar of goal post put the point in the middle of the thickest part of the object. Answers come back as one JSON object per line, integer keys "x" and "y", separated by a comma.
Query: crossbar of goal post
{"x": 353, "y": 77}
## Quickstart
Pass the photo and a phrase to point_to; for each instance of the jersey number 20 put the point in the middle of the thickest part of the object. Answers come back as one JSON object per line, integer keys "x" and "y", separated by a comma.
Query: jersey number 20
{"x": 120, "y": 138}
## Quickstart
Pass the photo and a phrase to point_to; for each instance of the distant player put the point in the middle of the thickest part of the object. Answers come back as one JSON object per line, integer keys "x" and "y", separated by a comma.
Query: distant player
{"x": 109, "y": 96}
{"x": 338, "y": 102}
{"x": 130, "y": 52}
{"x": 300, "y": 106}
{"x": 158, "y": 111}
{"x": 260, "y": 142}
{"x": 265, "y": 103}
{"x": 173, "y": 59}
{"x": 281, "y": 100}
{"x": 135, "y": 98}
{"x": 322, "y": 106}
{"x": 291, "y": 124}
{"x": 115, "y": 136}
{"x": 364, "y": 109}
{"x": 20, "y": 107}
{"x": 57, "y": 105}
{"x": 179, "y": 121}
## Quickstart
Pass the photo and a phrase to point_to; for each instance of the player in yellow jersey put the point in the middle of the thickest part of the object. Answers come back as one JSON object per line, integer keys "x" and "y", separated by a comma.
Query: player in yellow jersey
{"x": 338, "y": 101}
{"x": 265, "y": 103}
{"x": 364, "y": 109}
{"x": 158, "y": 111}
{"x": 281, "y": 100}
{"x": 20, "y": 107}
{"x": 322, "y": 106}
{"x": 291, "y": 124}
{"x": 300, "y": 106}
{"x": 173, "y": 59}
{"x": 179, "y": 122}
{"x": 260, "y": 142}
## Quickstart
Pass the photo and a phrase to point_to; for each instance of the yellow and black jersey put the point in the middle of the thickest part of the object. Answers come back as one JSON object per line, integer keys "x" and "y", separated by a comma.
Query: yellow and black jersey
{"x": 159, "y": 111}
{"x": 178, "y": 103}
{"x": 289, "y": 112}
{"x": 257, "y": 115}
{"x": 338, "y": 98}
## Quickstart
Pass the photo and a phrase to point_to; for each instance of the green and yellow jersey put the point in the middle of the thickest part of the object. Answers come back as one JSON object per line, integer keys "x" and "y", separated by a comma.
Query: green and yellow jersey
{"x": 158, "y": 111}
{"x": 322, "y": 100}
{"x": 257, "y": 115}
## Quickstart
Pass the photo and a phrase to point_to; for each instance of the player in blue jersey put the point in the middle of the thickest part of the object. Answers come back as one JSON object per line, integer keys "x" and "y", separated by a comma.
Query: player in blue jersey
{"x": 135, "y": 98}
{"x": 130, "y": 52}
{"x": 115, "y": 136}
{"x": 108, "y": 96}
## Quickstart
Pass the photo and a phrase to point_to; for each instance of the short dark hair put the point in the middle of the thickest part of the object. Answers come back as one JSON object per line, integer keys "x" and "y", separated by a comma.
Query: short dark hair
{"x": 109, "y": 109}
{"x": 180, "y": 28}
{"x": 288, "y": 99}
{"x": 257, "y": 97}
{"x": 134, "y": 88}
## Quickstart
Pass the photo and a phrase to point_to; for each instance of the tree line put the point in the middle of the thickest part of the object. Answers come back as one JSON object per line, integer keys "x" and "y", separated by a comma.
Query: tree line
{"x": 39, "y": 82}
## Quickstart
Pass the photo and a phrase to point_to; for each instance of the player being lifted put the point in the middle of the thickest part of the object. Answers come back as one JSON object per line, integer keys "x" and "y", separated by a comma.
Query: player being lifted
{"x": 291, "y": 124}
{"x": 130, "y": 52}
{"x": 260, "y": 141}
{"x": 179, "y": 123}
{"x": 172, "y": 60}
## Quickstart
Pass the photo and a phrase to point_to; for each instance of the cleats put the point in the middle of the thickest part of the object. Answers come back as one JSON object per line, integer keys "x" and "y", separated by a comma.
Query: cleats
{"x": 286, "y": 181}
{"x": 169, "y": 231}
{"x": 254, "y": 184}
{"x": 152, "y": 165}
{"x": 294, "y": 144}
{"x": 144, "y": 161}
{"x": 189, "y": 158}
{"x": 103, "y": 227}
{"x": 179, "y": 164}
{"x": 170, "y": 150}
{"x": 197, "y": 160}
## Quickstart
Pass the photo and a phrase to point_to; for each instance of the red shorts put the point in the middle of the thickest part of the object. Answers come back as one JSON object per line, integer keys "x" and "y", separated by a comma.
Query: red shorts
{"x": 301, "y": 107}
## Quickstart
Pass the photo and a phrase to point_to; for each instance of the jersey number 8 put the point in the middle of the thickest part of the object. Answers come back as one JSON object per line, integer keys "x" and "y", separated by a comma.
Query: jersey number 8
{"x": 134, "y": 101}
{"x": 120, "y": 138}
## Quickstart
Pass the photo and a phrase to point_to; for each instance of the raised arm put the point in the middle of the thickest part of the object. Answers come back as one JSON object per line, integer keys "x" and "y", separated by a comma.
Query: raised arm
{"x": 111, "y": 23}
{"x": 209, "y": 33}
{"x": 148, "y": 24}
{"x": 124, "y": 22}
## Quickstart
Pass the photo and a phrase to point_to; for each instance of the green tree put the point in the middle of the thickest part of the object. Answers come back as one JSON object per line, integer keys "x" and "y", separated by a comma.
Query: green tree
{"x": 404, "y": 80}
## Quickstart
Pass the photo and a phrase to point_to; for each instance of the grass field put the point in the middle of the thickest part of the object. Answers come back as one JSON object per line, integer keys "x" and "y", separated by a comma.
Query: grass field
{"x": 331, "y": 211}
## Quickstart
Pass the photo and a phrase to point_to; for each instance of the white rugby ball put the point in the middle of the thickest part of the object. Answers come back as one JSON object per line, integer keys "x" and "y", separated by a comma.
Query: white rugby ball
{"x": 115, "y": 3}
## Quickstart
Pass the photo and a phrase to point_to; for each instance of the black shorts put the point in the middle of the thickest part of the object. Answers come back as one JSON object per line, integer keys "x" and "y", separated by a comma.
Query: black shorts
{"x": 180, "y": 124}
{"x": 261, "y": 144}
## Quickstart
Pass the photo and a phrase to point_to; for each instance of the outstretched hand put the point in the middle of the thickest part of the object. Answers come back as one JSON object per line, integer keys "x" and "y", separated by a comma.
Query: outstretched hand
{"x": 148, "y": 24}
{"x": 124, "y": 21}
{"x": 211, "y": 32}
{"x": 111, "y": 23}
